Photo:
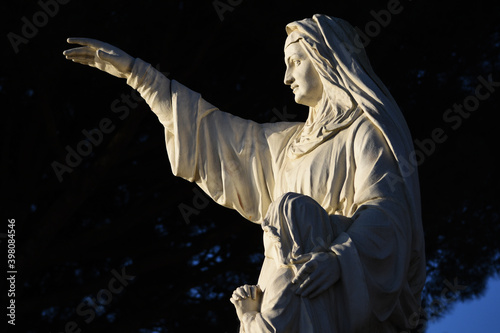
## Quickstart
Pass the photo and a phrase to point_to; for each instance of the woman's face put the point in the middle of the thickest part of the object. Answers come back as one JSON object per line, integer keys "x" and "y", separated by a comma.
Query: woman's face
{"x": 301, "y": 76}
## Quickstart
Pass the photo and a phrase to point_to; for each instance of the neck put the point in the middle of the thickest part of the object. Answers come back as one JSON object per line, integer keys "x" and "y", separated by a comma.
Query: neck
{"x": 339, "y": 102}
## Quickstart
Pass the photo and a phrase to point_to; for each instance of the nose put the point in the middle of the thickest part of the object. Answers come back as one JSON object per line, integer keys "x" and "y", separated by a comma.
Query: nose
{"x": 288, "y": 79}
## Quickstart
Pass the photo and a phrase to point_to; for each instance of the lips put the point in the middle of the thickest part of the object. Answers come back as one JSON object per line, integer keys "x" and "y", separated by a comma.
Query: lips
{"x": 294, "y": 88}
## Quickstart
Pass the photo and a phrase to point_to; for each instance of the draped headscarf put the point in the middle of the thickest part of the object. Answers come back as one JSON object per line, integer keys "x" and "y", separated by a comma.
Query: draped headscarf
{"x": 292, "y": 239}
{"x": 343, "y": 67}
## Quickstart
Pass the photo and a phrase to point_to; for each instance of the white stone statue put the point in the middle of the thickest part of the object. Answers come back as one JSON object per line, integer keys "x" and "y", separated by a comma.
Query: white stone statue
{"x": 344, "y": 247}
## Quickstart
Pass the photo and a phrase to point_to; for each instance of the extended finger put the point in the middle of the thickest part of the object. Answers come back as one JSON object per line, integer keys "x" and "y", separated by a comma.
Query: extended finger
{"x": 88, "y": 42}
{"x": 106, "y": 56}
{"x": 84, "y": 62}
{"x": 80, "y": 54}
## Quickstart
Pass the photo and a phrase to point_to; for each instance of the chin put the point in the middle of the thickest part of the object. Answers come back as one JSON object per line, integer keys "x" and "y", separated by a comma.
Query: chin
{"x": 301, "y": 101}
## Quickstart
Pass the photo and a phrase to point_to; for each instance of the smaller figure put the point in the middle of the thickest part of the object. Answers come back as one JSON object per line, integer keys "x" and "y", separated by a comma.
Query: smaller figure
{"x": 295, "y": 229}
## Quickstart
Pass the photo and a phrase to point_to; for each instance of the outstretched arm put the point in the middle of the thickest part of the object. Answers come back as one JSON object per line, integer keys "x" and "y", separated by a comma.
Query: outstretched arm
{"x": 103, "y": 56}
{"x": 228, "y": 157}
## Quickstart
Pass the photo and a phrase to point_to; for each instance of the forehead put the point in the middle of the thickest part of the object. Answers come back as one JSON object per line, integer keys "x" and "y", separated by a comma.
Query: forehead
{"x": 294, "y": 49}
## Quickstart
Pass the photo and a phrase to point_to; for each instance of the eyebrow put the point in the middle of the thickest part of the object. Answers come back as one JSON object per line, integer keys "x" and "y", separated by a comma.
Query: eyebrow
{"x": 291, "y": 55}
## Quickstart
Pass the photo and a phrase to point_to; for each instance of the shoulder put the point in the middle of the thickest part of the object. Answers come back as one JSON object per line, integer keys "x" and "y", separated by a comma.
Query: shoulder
{"x": 364, "y": 127}
{"x": 367, "y": 138}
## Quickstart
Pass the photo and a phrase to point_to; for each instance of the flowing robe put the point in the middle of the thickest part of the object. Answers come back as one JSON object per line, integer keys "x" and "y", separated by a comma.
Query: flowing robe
{"x": 245, "y": 166}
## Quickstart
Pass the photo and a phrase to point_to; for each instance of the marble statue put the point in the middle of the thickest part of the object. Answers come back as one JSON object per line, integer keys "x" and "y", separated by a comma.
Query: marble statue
{"x": 344, "y": 247}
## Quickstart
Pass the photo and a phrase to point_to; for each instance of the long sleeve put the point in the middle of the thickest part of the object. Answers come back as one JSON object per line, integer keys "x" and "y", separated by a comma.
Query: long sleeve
{"x": 375, "y": 253}
{"x": 233, "y": 160}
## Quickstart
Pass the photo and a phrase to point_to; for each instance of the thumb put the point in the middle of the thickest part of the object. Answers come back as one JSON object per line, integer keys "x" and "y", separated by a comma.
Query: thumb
{"x": 108, "y": 57}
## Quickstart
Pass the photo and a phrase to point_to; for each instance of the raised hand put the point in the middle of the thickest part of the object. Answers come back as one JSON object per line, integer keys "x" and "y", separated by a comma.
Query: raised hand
{"x": 103, "y": 56}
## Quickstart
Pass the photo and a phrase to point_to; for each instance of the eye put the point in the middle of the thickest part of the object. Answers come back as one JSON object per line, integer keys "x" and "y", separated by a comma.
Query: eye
{"x": 296, "y": 62}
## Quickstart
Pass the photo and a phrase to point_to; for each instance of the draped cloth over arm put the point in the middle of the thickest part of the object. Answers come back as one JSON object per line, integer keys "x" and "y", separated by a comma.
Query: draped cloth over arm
{"x": 387, "y": 228}
{"x": 372, "y": 241}
{"x": 233, "y": 160}
{"x": 348, "y": 160}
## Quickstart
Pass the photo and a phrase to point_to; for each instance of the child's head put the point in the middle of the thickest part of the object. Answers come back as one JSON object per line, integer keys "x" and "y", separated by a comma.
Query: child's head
{"x": 296, "y": 225}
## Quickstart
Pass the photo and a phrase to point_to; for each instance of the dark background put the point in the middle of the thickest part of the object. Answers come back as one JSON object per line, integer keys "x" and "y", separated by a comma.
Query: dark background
{"x": 120, "y": 209}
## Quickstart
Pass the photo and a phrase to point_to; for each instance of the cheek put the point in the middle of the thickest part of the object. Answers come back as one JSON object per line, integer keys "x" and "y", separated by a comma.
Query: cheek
{"x": 313, "y": 79}
{"x": 318, "y": 86}
{"x": 307, "y": 77}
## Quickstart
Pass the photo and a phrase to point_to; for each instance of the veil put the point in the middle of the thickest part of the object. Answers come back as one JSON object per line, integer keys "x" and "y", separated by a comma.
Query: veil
{"x": 343, "y": 67}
